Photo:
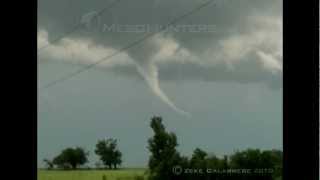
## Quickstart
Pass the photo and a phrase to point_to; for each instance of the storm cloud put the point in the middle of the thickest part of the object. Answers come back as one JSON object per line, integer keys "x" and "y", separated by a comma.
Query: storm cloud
{"x": 245, "y": 46}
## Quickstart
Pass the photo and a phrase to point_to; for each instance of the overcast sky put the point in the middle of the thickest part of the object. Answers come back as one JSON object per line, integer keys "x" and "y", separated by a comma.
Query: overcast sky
{"x": 220, "y": 90}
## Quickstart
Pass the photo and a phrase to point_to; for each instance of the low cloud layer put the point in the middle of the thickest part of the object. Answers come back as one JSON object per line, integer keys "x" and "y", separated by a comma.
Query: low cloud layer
{"x": 245, "y": 47}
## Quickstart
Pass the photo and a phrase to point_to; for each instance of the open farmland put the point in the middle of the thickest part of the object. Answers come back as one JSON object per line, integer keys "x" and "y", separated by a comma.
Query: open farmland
{"x": 124, "y": 174}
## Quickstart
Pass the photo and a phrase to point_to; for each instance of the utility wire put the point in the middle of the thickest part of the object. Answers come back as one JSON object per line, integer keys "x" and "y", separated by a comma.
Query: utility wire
{"x": 130, "y": 45}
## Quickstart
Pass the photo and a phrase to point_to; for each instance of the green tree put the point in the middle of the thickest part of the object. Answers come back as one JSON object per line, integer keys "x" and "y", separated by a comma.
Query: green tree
{"x": 273, "y": 159}
{"x": 268, "y": 161}
{"x": 164, "y": 155}
{"x": 108, "y": 152}
{"x": 198, "y": 159}
{"x": 246, "y": 159}
{"x": 71, "y": 158}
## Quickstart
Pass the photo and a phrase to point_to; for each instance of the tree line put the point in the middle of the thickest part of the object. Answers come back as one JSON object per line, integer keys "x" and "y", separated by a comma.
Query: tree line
{"x": 166, "y": 163}
{"x": 73, "y": 158}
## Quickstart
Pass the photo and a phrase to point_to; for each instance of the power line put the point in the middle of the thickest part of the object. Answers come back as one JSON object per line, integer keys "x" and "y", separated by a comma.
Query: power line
{"x": 77, "y": 26}
{"x": 130, "y": 45}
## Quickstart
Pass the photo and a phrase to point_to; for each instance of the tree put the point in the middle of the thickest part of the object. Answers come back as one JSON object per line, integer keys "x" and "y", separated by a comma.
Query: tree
{"x": 198, "y": 158}
{"x": 165, "y": 158}
{"x": 164, "y": 155}
{"x": 256, "y": 159}
{"x": 71, "y": 158}
{"x": 273, "y": 159}
{"x": 108, "y": 152}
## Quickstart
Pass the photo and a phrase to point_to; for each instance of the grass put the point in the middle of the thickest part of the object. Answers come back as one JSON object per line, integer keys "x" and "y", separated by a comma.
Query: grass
{"x": 123, "y": 174}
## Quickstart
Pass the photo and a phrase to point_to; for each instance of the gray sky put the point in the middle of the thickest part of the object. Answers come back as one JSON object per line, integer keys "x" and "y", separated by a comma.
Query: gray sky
{"x": 218, "y": 90}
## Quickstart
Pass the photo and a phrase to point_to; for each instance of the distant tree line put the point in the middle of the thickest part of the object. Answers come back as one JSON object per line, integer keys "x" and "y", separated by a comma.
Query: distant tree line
{"x": 73, "y": 158}
{"x": 166, "y": 163}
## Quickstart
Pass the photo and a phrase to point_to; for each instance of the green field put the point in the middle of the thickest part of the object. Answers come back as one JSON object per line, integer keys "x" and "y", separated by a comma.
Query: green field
{"x": 124, "y": 174}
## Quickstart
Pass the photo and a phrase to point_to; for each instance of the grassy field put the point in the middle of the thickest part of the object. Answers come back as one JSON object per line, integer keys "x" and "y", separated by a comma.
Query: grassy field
{"x": 124, "y": 174}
